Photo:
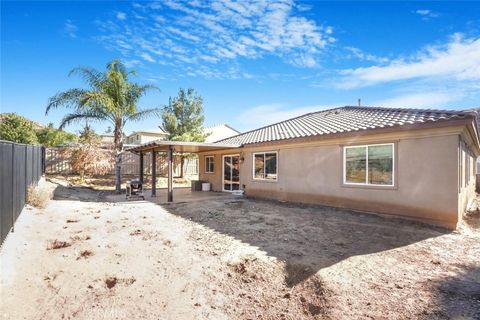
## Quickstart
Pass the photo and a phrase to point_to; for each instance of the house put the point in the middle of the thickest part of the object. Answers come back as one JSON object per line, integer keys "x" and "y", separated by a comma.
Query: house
{"x": 144, "y": 136}
{"x": 107, "y": 138}
{"x": 404, "y": 162}
{"x": 219, "y": 132}
{"x": 214, "y": 133}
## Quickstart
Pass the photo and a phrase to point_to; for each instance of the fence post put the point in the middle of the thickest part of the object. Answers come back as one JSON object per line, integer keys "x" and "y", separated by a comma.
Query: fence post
{"x": 26, "y": 172}
{"x": 13, "y": 187}
{"x": 141, "y": 166}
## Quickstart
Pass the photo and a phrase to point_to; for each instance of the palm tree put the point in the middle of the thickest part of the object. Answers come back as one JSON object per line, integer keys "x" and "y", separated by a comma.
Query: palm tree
{"x": 110, "y": 97}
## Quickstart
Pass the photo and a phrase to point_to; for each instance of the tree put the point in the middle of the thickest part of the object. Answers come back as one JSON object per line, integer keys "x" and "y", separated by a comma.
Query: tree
{"x": 89, "y": 136}
{"x": 183, "y": 119}
{"x": 17, "y": 129}
{"x": 88, "y": 157}
{"x": 110, "y": 97}
{"x": 51, "y": 136}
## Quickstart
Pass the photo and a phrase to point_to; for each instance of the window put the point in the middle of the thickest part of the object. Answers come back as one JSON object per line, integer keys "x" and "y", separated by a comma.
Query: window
{"x": 209, "y": 164}
{"x": 265, "y": 166}
{"x": 369, "y": 165}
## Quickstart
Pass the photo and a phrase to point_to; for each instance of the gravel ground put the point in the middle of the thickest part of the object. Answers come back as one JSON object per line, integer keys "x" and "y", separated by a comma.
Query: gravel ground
{"x": 83, "y": 257}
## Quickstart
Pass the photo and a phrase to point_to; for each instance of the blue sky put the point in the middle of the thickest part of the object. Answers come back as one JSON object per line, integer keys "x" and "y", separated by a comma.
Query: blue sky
{"x": 253, "y": 62}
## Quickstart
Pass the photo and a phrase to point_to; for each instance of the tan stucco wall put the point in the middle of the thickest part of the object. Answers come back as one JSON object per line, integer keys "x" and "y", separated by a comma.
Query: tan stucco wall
{"x": 426, "y": 169}
{"x": 466, "y": 173}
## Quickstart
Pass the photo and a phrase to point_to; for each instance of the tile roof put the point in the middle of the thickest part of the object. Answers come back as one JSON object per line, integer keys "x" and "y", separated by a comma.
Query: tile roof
{"x": 343, "y": 119}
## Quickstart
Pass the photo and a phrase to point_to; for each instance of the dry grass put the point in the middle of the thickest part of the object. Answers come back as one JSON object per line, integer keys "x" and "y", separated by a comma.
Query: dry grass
{"x": 57, "y": 244}
{"x": 38, "y": 195}
{"x": 84, "y": 254}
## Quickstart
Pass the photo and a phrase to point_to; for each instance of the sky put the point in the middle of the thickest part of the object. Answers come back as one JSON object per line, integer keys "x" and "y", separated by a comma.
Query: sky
{"x": 253, "y": 62}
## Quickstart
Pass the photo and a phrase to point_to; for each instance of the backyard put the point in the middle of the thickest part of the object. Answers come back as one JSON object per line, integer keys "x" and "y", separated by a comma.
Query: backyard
{"x": 92, "y": 255}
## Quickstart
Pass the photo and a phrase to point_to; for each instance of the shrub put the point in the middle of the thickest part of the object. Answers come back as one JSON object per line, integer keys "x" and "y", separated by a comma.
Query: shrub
{"x": 38, "y": 195}
{"x": 17, "y": 129}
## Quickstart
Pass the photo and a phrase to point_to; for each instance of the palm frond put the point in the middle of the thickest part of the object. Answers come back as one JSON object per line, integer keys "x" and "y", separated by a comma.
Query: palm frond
{"x": 82, "y": 115}
{"x": 97, "y": 100}
{"x": 135, "y": 92}
{"x": 118, "y": 67}
{"x": 91, "y": 76}
{"x": 143, "y": 114}
{"x": 70, "y": 99}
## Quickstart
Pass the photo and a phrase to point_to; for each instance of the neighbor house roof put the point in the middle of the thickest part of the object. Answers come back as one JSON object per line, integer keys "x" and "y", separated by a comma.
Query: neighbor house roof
{"x": 152, "y": 132}
{"x": 342, "y": 120}
{"x": 219, "y": 132}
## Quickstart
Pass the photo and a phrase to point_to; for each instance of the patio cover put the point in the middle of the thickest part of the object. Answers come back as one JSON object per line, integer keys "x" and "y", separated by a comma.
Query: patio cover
{"x": 170, "y": 147}
{"x": 181, "y": 146}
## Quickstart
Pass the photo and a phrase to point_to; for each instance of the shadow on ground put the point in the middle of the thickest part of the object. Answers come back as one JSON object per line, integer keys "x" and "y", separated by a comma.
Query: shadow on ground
{"x": 458, "y": 296}
{"x": 307, "y": 237}
{"x": 77, "y": 193}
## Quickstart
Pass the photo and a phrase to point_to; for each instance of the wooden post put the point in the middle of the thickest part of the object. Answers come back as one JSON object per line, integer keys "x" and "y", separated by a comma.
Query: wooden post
{"x": 154, "y": 173}
{"x": 170, "y": 174}
{"x": 141, "y": 167}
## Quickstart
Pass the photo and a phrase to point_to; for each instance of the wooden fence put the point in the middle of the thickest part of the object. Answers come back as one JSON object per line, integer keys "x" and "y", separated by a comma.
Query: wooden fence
{"x": 58, "y": 162}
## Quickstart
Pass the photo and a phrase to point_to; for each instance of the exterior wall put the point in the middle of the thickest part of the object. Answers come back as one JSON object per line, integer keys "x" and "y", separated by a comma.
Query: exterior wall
{"x": 144, "y": 138}
{"x": 426, "y": 175}
{"x": 467, "y": 166}
{"x": 137, "y": 138}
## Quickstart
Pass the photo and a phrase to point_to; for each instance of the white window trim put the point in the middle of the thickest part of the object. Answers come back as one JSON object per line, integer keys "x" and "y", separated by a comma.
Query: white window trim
{"x": 366, "y": 166}
{"x": 205, "y": 168}
{"x": 253, "y": 166}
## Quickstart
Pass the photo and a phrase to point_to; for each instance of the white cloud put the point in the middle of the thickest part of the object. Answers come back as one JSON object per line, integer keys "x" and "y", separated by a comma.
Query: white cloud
{"x": 458, "y": 60}
{"x": 263, "y": 115}
{"x": 431, "y": 100}
{"x": 147, "y": 57}
{"x": 121, "y": 15}
{"x": 357, "y": 53}
{"x": 423, "y": 12}
{"x": 218, "y": 32}
{"x": 303, "y": 7}
{"x": 427, "y": 14}
{"x": 131, "y": 63}
{"x": 70, "y": 29}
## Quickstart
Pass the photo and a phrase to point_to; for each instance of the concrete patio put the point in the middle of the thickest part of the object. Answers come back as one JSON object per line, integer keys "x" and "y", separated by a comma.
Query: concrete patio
{"x": 181, "y": 195}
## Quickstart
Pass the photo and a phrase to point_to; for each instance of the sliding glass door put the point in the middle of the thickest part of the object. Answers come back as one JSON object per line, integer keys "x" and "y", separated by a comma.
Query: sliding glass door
{"x": 231, "y": 173}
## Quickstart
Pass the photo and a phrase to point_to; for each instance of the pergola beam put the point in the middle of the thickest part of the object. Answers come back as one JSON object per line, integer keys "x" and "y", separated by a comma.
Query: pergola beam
{"x": 170, "y": 174}
{"x": 154, "y": 173}
{"x": 141, "y": 167}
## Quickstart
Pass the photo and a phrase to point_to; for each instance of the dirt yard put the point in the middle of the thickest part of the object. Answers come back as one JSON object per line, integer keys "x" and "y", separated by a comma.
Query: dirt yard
{"x": 83, "y": 257}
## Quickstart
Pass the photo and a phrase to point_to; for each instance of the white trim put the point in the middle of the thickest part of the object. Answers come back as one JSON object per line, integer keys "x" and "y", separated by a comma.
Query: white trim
{"x": 253, "y": 166}
{"x": 205, "y": 162}
{"x": 366, "y": 165}
{"x": 223, "y": 171}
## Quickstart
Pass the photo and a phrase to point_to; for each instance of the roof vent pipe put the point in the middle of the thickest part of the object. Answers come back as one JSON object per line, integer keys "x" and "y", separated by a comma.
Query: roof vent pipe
{"x": 359, "y": 102}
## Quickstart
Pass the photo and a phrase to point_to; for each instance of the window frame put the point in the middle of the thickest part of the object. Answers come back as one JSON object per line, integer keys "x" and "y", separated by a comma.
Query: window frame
{"x": 253, "y": 166}
{"x": 366, "y": 184}
{"x": 205, "y": 166}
